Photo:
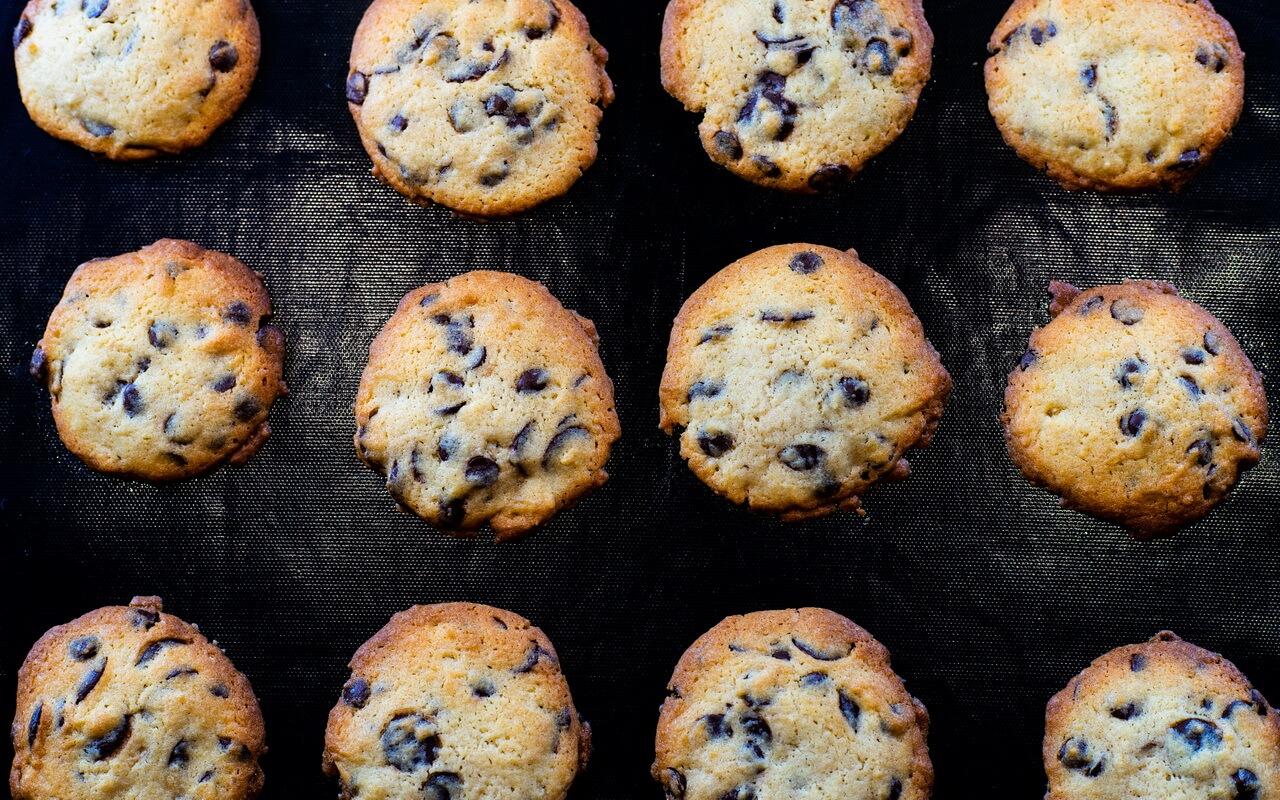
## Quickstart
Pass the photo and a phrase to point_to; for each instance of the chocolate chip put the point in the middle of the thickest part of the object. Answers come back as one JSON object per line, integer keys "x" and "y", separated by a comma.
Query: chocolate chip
{"x": 877, "y": 59}
{"x": 673, "y": 784}
{"x": 442, "y": 786}
{"x": 179, "y": 672}
{"x": 856, "y": 391}
{"x": 782, "y": 654}
{"x": 1137, "y": 662}
{"x": 144, "y": 618}
{"x": 1089, "y": 76}
{"x": 1247, "y": 785}
{"x": 451, "y": 378}
{"x": 819, "y": 654}
{"x": 1126, "y": 711}
{"x": 1191, "y": 386}
{"x": 483, "y": 688}
{"x": 152, "y": 650}
{"x": 238, "y": 313}
{"x": 561, "y": 440}
{"x": 179, "y": 755}
{"x": 481, "y": 471}
{"x": 777, "y": 11}
{"x": 131, "y": 400}
{"x": 1042, "y": 31}
{"x": 21, "y": 31}
{"x": 224, "y": 384}
{"x": 829, "y": 176}
{"x": 1127, "y": 369}
{"x": 704, "y": 389}
{"x": 1187, "y": 159}
{"x": 813, "y": 679}
{"x": 1212, "y": 343}
{"x": 409, "y": 742}
{"x": 1126, "y": 312}
{"x": 398, "y": 123}
{"x": 206, "y": 776}
{"x": 715, "y": 445}
{"x": 357, "y": 88}
{"x": 1110, "y": 118}
{"x": 1192, "y": 355}
{"x": 1074, "y": 755}
{"x": 766, "y": 166}
{"x": 532, "y": 380}
{"x": 93, "y": 8}
{"x": 1198, "y": 734}
{"x": 223, "y": 56}
{"x": 1131, "y": 423}
{"x": 1214, "y": 58}
{"x": 247, "y": 408}
{"x": 84, "y": 648}
{"x": 496, "y": 175}
{"x": 33, "y": 725}
{"x": 521, "y": 438}
{"x": 717, "y": 727}
{"x": 1090, "y": 305}
{"x": 1233, "y": 705}
{"x": 758, "y": 734}
{"x": 727, "y": 144}
{"x": 449, "y": 411}
{"x": 806, "y": 262}
{"x": 38, "y": 368}
{"x": 802, "y": 457}
{"x": 1203, "y": 448}
{"x": 718, "y": 332}
{"x": 96, "y": 128}
{"x": 453, "y": 512}
{"x": 850, "y": 710}
{"x": 531, "y": 659}
{"x": 162, "y": 334}
{"x": 106, "y": 745}
{"x": 1241, "y": 431}
{"x": 356, "y": 692}
{"x": 769, "y": 88}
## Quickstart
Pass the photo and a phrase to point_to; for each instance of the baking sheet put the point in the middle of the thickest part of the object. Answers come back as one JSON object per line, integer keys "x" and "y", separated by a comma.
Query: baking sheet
{"x": 988, "y": 595}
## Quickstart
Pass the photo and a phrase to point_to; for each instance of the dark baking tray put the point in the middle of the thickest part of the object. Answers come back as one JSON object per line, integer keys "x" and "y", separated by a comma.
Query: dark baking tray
{"x": 988, "y": 595}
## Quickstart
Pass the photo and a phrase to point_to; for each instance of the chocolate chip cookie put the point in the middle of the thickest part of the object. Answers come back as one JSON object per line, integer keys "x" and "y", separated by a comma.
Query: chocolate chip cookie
{"x": 798, "y": 376}
{"x": 781, "y": 705}
{"x": 1115, "y": 96}
{"x": 1135, "y": 406}
{"x": 488, "y": 107}
{"x": 132, "y": 702}
{"x": 133, "y": 78}
{"x": 796, "y": 94}
{"x": 1161, "y": 719}
{"x": 484, "y": 401}
{"x": 453, "y": 701}
{"x": 158, "y": 363}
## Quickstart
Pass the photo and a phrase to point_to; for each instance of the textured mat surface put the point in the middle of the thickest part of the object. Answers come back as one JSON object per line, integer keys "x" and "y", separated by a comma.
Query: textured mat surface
{"x": 988, "y": 595}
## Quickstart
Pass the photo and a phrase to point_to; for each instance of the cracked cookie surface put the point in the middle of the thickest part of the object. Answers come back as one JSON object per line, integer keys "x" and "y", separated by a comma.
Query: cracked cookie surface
{"x": 797, "y": 377}
{"x": 790, "y": 705}
{"x": 1162, "y": 719}
{"x": 158, "y": 363}
{"x": 485, "y": 402}
{"x": 453, "y": 701}
{"x": 1134, "y": 405}
{"x": 132, "y": 702}
{"x": 488, "y": 107}
{"x": 1112, "y": 94}
{"x": 796, "y": 94}
{"x": 133, "y": 78}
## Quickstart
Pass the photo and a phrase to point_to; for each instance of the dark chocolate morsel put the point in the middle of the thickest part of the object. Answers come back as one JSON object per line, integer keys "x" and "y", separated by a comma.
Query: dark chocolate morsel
{"x": 1198, "y": 734}
{"x": 33, "y": 724}
{"x": 850, "y": 710}
{"x": 1212, "y": 343}
{"x": 38, "y": 368}
{"x": 704, "y": 389}
{"x": 93, "y": 8}
{"x": 1028, "y": 358}
{"x": 814, "y": 652}
{"x": 179, "y": 755}
{"x": 1131, "y": 423}
{"x": 357, "y": 88}
{"x": 1246, "y": 784}
{"x": 717, "y": 727}
{"x": 1241, "y": 431}
{"x": 715, "y": 445}
{"x": 409, "y": 742}
{"x": 106, "y": 745}
{"x": 223, "y": 56}
{"x": 84, "y": 648}
{"x": 532, "y": 380}
{"x": 829, "y": 176}
{"x": 759, "y": 736}
{"x": 90, "y": 679}
{"x": 152, "y": 650}
{"x": 247, "y": 408}
{"x": 224, "y": 384}
{"x": 856, "y": 391}
{"x": 21, "y": 31}
{"x": 561, "y": 440}
{"x": 453, "y": 512}
{"x": 1127, "y": 711}
{"x": 727, "y": 145}
{"x": 1137, "y": 662}
{"x": 1126, "y": 312}
{"x": 356, "y": 692}
{"x": 806, "y": 262}
{"x": 482, "y": 471}
{"x": 442, "y": 786}
{"x": 802, "y": 457}
{"x": 531, "y": 659}
{"x": 239, "y": 313}
{"x": 96, "y": 128}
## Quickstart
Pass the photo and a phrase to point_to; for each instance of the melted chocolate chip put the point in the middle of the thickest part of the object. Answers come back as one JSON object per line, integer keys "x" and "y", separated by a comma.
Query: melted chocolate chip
{"x": 1246, "y": 784}
{"x": 1028, "y": 358}
{"x": 806, "y": 262}
{"x": 33, "y": 724}
{"x": 1187, "y": 159}
{"x": 162, "y": 334}
{"x": 223, "y": 56}
{"x": 93, "y": 8}
{"x": 1198, "y": 734}
{"x": 131, "y": 400}
{"x": 850, "y": 710}
{"x": 1137, "y": 662}
{"x": 1212, "y": 343}
{"x": 560, "y": 441}
{"x": 766, "y": 166}
{"x": 38, "y": 368}
{"x": 84, "y": 648}
{"x": 247, "y": 408}
{"x": 856, "y": 391}
{"x": 453, "y": 512}
{"x": 532, "y": 380}
{"x": 531, "y": 659}
{"x": 152, "y": 650}
{"x": 727, "y": 145}
{"x": 1089, "y": 76}
{"x": 768, "y": 89}
{"x": 759, "y": 736}
{"x": 21, "y": 31}
{"x": 717, "y": 727}
{"x": 482, "y": 471}
{"x": 110, "y": 742}
{"x": 1241, "y": 431}
{"x": 1192, "y": 388}
{"x": 96, "y": 128}
{"x": 1090, "y": 305}
{"x": 442, "y": 785}
{"x": 829, "y": 176}
{"x": 356, "y": 692}
{"x": 715, "y": 445}
{"x": 1203, "y": 448}
{"x": 398, "y": 123}
{"x": 1074, "y": 755}
{"x": 409, "y": 742}
{"x": 704, "y": 389}
{"x": 179, "y": 755}
{"x": 1127, "y": 369}
{"x": 802, "y": 457}
{"x": 813, "y": 679}
{"x": 224, "y": 384}
{"x": 357, "y": 88}
{"x": 238, "y": 313}
{"x": 718, "y": 332}
{"x": 1126, "y": 711}
{"x": 814, "y": 652}
{"x": 1192, "y": 355}
{"x": 1131, "y": 423}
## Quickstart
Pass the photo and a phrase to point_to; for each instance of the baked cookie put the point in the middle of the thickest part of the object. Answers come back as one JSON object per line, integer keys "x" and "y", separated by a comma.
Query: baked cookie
{"x": 131, "y": 702}
{"x": 796, "y": 94}
{"x": 488, "y": 107}
{"x": 799, "y": 376}
{"x": 158, "y": 364}
{"x": 1161, "y": 719}
{"x": 484, "y": 401}
{"x": 453, "y": 701}
{"x": 790, "y": 705}
{"x": 1115, "y": 94}
{"x": 1134, "y": 405}
{"x": 133, "y": 78}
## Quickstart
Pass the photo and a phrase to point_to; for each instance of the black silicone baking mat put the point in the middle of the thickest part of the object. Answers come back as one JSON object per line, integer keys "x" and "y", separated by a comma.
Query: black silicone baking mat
{"x": 988, "y": 595}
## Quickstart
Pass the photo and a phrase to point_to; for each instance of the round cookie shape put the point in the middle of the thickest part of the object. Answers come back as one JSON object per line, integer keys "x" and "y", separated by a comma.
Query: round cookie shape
{"x": 796, "y": 94}
{"x": 134, "y": 78}
{"x": 1135, "y": 405}
{"x": 1108, "y": 95}
{"x": 158, "y": 363}
{"x": 797, "y": 377}
{"x": 130, "y": 701}
{"x": 1161, "y": 719}
{"x": 485, "y": 402}
{"x": 456, "y": 700}
{"x": 769, "y": 702}
{"x": 488, "y": 107}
